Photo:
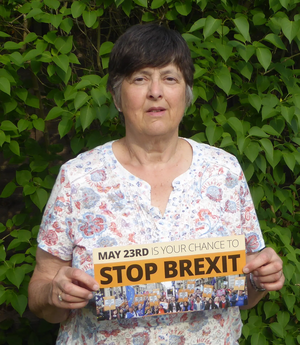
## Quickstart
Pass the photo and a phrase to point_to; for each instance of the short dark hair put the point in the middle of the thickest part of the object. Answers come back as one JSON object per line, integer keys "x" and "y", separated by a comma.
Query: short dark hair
{"x": 148, "y": 45}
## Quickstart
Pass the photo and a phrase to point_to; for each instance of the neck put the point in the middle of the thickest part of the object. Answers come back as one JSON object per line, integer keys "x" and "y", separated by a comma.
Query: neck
{"x": 156, "y": 151}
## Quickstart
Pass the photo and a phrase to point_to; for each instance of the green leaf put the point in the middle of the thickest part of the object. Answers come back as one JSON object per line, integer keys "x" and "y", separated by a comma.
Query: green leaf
{"x": 243, "y": 26}
{"x": 77, "y": 8}
{"x": 157, "y": 3}
{"x": 17, "y": 59}
{"x": 15, "y": 276}
{"x": 224, "y": 50}
{"x": 258, "y": 338}
{"x": 14, "y": 147}
{"x": 77, "y": 145}
{"x": 199, "y": 24}
{"x": 289, "y": 159}
{"x": 66, "y": 25}
{"x": 65, "y": 126}
{"x": 127, "y": 6}
{"x": 22, "y": 94}
{"x": 245, "y": 69}
{"x": 246, "y": 52}
{"x": 257, "y": 195}
{"x": 148, "y": 17}
{"x": 259, "y": 19}
{"x": 89, "y": 18}
{"x": 289, "y": 271}
{"x": 55, "y": 20}
{"x": 288, "y": 113}
{"x": 264, "y": 56}
{"x": 8, "y": 190}
{"x": 99, "y": 95}
{"x": 257, "y": 132}
{"x": 87, "y": 115}
{"x": 255, "y": 101}
{"x": 261, "y": 163}
{"x": 5, "y": 85}
{"x": 19, "y": 303}
{"x": 7, "y": 125}
{"x": 211, "y": 26}
{"x": 54, "y": 113}
{"x": 236, "y": 125}
{"x": 289, "y": 28}
{"x": 143, "y": 3}
{"x": 62, "y": 61}
{"x": 268, "y": 147}
{"x": 34, "y": 12}
{"x": 39, "y": 198}
{"x": 17, "y": 259}
{"x": 102, "y": 114}
{"x": 277, "y": 329}
{"x": 222, "y": 79}
{"x": 39, "y": 124}
{"x": 275, "y": 40}
{"x": 105, "y": 48}
{"x": 271, "y": 308}
{"x": 4, "y": 34}
{"x": 183, "y": 8}
{"x": 54, "y": 4}
{"x": 23, "y": 177}
{"x": 252, "y": 151}
{"x": 2, "y": 253}
{"x": 64, "y": 44}
{"x": 213, "y": 134}
{"x": 81, "y": 99}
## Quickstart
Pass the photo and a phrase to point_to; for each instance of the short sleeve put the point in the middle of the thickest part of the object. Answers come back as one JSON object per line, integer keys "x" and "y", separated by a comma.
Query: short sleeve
{"x": 249, "y": 221}
{"x": 54, "y": 234}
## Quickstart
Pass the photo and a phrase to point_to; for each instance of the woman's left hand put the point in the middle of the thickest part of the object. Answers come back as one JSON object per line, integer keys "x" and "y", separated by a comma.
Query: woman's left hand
{"x": 266, "y": 268}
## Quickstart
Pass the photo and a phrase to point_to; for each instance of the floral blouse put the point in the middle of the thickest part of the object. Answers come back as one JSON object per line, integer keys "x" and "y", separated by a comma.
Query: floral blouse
{"x": 96, "y": 202}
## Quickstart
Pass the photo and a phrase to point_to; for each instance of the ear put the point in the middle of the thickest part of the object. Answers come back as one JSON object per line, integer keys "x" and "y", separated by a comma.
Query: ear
{"x": 116, "y": 105}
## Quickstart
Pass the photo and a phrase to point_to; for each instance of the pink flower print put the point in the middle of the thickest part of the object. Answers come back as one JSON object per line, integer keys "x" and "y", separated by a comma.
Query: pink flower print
{"x": 98, "y": 175}
{"x": 231, "y": 181}
{"x": 252, "y": 243}
{"x": 113, "y": 228}
{"x": 230, "y": 206}
{"x": 50, "y": 238}
{"x": 57, "y": 227}
{"x": 205, "y": 213}
{"x": 214, "y": 193}
{"x": 92, "y": 225}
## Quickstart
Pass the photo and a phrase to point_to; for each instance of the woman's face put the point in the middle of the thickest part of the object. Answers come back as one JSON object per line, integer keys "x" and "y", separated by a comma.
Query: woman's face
{"x": 153, "y": 101}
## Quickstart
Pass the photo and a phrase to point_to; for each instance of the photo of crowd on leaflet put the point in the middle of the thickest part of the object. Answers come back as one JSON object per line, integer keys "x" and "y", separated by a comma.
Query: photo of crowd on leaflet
{"x": 171, "y": 297}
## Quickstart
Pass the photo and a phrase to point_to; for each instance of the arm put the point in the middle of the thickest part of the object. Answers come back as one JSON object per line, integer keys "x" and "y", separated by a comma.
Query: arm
{"x": 266, "y": 268}
{"x": 52, "y": 277}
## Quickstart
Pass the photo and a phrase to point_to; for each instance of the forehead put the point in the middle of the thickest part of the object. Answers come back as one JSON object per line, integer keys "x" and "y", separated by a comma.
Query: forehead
{"x": 170, "y": 68}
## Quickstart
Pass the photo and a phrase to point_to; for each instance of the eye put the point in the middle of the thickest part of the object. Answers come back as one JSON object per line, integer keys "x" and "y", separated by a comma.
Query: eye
{"x": 139, "y": 80}
{"x": 170, "y": 80}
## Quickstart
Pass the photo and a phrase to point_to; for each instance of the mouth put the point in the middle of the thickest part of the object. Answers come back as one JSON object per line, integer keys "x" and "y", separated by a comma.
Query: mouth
{"x": 156, "y": 110}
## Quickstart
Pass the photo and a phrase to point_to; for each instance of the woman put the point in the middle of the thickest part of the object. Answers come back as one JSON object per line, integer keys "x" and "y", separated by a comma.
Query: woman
{"x": 150, "y": 186}
{"x": 209, "y": 305}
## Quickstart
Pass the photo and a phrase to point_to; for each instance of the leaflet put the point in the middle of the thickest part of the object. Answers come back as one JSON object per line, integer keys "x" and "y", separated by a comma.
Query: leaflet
{"x": 181, "y": 276}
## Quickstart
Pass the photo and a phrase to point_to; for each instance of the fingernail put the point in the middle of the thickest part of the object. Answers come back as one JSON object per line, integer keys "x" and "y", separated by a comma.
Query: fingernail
{"x": 90, "y": 296}
{"x": 96, "y": 287}
{"x": 246, "y": 270}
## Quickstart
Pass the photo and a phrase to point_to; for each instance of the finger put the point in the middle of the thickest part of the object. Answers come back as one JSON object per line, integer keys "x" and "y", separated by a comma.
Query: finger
{"x": 271, "y": 286}
{"x": 258, "y": 260}
{"x": 81, "y": 278}
{"x": 69, "y": 298}
{"x": 268, "y": 270}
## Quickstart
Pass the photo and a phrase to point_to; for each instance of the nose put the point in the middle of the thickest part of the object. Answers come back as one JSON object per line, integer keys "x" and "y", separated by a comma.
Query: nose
{"x": 155, "y": 91}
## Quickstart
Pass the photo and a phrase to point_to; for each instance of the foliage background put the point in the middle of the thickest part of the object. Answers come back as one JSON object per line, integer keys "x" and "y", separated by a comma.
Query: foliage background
{"x": 54, "y": 104}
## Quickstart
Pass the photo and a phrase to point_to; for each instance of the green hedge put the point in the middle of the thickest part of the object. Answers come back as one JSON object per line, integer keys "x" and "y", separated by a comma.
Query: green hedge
{"x": 54, "y": 104}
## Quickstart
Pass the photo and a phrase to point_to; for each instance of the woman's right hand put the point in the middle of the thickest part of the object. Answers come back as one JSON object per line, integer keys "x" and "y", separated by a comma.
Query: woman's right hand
{"x": 72, "y": 288}
{"x": 56, "y": 286}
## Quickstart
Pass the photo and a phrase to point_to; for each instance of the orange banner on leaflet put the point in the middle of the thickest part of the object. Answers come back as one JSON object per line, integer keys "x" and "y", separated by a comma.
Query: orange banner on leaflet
{"x": 169, "y": 268}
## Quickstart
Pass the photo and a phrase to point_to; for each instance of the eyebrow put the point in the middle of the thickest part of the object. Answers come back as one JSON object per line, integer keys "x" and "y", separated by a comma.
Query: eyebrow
{"x": 164, "y": 72}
